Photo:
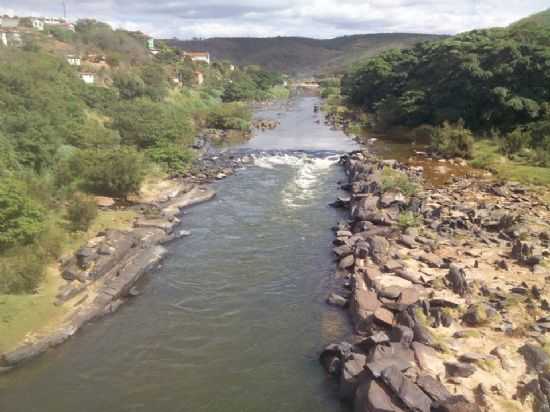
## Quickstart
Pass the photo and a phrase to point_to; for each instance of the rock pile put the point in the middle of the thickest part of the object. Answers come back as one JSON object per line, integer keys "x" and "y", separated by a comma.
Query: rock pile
{"x": 444, "y": 287}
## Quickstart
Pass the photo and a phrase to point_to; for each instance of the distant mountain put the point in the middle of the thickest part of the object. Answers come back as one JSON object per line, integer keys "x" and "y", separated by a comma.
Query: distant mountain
{"x": 300, "y": 55}
{"x": 541, "y": 19}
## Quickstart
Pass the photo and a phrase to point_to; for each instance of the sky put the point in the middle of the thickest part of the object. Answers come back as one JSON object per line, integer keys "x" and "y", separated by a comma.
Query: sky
{"x": 186, "y": 19}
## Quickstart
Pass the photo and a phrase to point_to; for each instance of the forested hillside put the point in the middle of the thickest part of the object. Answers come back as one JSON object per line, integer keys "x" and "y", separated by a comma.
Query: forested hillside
{"x": 492, "y": 82}
{"x": 299, "y": 55}
{"x": 63, "y": 141}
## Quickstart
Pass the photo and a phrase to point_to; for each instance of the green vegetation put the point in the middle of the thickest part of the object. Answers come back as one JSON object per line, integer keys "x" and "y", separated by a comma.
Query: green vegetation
{"x": 453, "y": 140}
{"x": 299, "y": 55}
{"x": 395, "y": 180}
{"x": 63, "y": 141}
{"x": 483, "y": 83}
{"x": 408, "y": 219}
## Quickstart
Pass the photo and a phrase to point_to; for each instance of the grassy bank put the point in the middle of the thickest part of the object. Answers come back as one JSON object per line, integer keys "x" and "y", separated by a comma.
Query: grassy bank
{"x": 487, "y": 156}
{"x": 24, "y": 314}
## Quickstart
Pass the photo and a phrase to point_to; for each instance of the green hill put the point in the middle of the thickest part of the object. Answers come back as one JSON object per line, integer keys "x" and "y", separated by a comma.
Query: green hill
{"x": 300, "y": 55}
{"x": 541, "y": 19}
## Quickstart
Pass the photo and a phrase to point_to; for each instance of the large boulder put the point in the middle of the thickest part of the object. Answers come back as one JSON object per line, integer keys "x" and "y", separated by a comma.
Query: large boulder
{"x": 372, "y": 396}
{"x": 353, "y": 370}
{"x": 379, "y": 249}
{"x": 409, "y": 394}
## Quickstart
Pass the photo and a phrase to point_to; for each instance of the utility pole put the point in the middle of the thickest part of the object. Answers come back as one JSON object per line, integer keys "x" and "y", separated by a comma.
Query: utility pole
{"x": 64, "y": 10}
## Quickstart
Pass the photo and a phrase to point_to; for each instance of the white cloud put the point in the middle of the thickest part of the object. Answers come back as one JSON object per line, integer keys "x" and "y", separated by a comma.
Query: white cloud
{"x": 314, "y": 18}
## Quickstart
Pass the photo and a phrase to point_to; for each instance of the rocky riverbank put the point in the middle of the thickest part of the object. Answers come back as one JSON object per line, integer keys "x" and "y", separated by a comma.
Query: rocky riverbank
{"x": 447, "y": 291}
{"x": 101, "y": 276}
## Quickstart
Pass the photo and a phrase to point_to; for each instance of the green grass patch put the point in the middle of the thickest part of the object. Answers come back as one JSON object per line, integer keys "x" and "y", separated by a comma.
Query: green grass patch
{"x": 487, "y": 156}
{"x": 394, "y": 180}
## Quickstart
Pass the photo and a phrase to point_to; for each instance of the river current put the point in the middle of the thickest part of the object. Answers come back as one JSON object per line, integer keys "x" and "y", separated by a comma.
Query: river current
{"x": 234, "y": 318}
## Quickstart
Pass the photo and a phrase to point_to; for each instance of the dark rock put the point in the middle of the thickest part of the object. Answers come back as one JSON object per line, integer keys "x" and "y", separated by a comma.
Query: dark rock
{"x": 535, "y": 357}
{"x": 409, "y": 394}
{"x": 522, "y": 251}
{"x": 455, "y": 404}
{"x": 479, "y": 314}
{"x": 433, "y": 388}
{"x": 402, "y": 334}
{"x": 341, "y": 351}
{"x": 391, "y": 198}
{"x": 352, "y": 372}
{"x": 459, "y": 369}
{"x": 456, "y": 278}
{"x": 379, "y": 249}
{"x": 372, "y": 396}
{"x": 342, "y": 251}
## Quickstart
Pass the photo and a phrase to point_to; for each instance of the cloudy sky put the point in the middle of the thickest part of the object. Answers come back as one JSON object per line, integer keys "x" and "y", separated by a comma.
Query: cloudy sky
{"x": 312, "y": 18}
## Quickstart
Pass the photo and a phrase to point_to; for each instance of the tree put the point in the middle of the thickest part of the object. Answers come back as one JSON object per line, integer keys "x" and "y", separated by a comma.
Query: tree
{"x": 21, "y": 218}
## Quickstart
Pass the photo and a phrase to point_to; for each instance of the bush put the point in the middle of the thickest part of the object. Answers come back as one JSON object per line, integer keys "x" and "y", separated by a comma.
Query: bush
{"x": 236, "y": 116}
{"x": 408, "y": 219}
{"x": 453, "y": 141}
{"x": 173, "y": 157}
{"x": 81, "y": 212}
{"x": 21, "y": 271}
{"x": 515, "y": 141}
{"x": 22, "y": 219}
{"x": 394, "y": 180}
{"x": 110, "y": 172}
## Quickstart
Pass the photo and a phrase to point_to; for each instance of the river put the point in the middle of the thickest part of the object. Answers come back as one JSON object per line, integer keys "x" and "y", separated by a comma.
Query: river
{"x": 235, "y": 317}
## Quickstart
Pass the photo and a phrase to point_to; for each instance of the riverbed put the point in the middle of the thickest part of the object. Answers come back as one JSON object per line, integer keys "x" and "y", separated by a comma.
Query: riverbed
{"x": 234, "y": 318}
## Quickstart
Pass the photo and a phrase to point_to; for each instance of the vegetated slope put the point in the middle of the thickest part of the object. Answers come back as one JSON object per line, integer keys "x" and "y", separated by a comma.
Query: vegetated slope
{"x": 300, "y": 54}
{"x": 540, "y": 19}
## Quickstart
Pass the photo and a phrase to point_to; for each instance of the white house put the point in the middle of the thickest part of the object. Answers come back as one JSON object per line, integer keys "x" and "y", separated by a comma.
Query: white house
{"x": 73, "y": 60}
{"x": 198, "y": 56}
{"x": 88, "y": 78}
{"x": 11, "y": 38}
{"x": 150, "y": 43}
{"x": 9, "y": 22}
{"x": 38, "y": 24}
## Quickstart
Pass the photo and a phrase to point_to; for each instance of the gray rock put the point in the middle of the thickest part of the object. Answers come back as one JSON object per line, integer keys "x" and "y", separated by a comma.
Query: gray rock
{"x": 456, "y": 279}
{"x": 535, "y": 357}
{"x": 379, "y": 249}
{"x": 455, "y": 404}
{"x": 459, "y": 369}
{"x": 409, "y": 394}
{"x": 479, "y": 314}
{"x": 372, "y": 396}
{"x": 337, "y": 300}
{"x": 352, "y": 372}
{"x": 433, "y": 388}
{"x": 347, "y": 262}
{"x": 402, "y": 334}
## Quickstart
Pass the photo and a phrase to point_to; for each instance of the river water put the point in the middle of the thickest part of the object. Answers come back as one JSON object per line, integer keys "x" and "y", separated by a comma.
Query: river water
{"x": 235, "y": 317}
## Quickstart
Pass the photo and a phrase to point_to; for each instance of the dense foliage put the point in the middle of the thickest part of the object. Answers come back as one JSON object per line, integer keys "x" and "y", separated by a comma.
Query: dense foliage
{"x": 490, "y": 79}
{"x": 63, "y": 141}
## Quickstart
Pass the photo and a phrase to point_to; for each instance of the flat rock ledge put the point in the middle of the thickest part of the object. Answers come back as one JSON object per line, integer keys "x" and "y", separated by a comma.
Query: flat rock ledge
{"x": 447, "y": 292}
{"x": 101, "y": 275}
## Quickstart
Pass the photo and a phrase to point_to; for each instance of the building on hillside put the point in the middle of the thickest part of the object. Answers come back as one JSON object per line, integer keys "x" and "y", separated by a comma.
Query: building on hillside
{"x": 10, "y": 38}
{"x": 232, "y": 67}
{"x": 38, "y": 24}
{"x": 197, "y": 56}
{"x": 88, "y": 78}
{"x": 62, "y": 23}
{"x": 151, "y": 43}
{"x": 73, "y": 60}
{"x": 9, "y": 22}
{"x": 95, "y": 58}
{"x": 199, "y": 77}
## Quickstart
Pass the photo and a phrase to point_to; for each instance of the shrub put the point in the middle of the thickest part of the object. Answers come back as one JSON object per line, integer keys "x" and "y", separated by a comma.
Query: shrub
{"x": 235, "y": 116}
{"x": 22, "y": 219}
{"x": 408, "y": 219}
{"x": 109, "y": 172}
{"x": 21, "y": 271}
{"x": 394, "y": 180}
{"x": 81, "y": 212}
{"x": 453, "y": 140}
{"x": 173, "y": 157}
{"x": 515, "y": 141}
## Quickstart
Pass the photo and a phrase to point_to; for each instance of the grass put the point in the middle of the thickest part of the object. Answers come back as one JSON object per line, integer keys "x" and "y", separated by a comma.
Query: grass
{"x": 487, "y": 156}
{"x": 279, "y": 92}
{"x": 24, "y": 314}
{"x": 392, "y": 180}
